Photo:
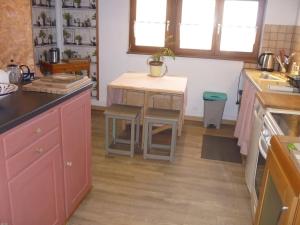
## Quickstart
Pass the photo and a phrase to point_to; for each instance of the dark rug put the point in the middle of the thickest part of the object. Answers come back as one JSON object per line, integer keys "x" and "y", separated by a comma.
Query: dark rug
{"x": 221, "y": 149}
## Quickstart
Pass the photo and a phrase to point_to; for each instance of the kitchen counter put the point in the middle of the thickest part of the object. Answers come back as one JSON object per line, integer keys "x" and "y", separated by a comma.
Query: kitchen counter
{"x": 279, "y": 146}
{"x": 262, "y": 84}
{"x": 279, "y": 101}
{"x": 21, "y": 106}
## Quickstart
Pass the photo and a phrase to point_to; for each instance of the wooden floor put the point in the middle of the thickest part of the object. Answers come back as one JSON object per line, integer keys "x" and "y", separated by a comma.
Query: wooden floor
{"x": 191, "y": 191}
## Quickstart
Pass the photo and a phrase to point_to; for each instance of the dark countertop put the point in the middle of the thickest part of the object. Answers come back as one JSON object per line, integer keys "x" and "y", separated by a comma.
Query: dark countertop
{"x": 21, "y": 106}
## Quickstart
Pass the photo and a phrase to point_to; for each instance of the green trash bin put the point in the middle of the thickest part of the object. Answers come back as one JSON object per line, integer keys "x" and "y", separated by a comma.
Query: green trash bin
{"x": 214, "y": 104}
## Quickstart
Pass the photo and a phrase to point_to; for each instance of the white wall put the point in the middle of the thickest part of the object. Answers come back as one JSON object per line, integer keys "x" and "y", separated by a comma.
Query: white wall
{"x": 203, "y": 74}
{"x": 281, "y": 12}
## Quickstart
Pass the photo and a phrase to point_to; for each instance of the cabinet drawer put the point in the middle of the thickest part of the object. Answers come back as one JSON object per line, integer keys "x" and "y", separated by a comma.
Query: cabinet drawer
{"x": 23, "y": 159}
{"x": 22, "y": 136}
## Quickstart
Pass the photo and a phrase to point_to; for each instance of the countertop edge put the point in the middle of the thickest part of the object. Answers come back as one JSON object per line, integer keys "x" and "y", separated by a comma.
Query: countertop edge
{"x": 25, "y": 117}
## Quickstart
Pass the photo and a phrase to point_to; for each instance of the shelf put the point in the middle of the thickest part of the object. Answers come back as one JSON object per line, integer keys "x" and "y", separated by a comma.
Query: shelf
{"x": 75, "y": 28}
{"x": 78, "y": 9}
{"x": 42, "y": 7}
{"x": 81, "y": 46}
{"x": 45, "y": 46}
{"x": 43, "y": 27}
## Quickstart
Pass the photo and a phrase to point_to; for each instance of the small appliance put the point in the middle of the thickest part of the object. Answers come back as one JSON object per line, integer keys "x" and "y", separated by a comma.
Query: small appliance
{"x": 266, "y": 61}
{"x": 54, "y": 55}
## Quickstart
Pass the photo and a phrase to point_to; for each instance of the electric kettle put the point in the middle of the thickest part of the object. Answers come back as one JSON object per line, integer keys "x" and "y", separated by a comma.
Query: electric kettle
{"x": 266, "y": 61}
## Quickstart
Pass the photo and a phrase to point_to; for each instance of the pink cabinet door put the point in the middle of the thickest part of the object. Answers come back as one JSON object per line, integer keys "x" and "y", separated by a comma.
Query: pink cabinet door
{"x": 5, "y": 217}
{"x": 36, "y": 194}
{"x": 76, "y": 135}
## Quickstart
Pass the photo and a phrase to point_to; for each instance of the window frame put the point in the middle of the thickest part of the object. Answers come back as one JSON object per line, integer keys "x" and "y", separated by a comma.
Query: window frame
{"x": 173, "y": 18}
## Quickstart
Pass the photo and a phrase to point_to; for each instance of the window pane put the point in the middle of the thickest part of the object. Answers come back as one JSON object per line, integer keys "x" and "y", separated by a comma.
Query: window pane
{"x": 197, "y": 24}
{"x": 150, "y": 22}
{"x": 239, "y": 25}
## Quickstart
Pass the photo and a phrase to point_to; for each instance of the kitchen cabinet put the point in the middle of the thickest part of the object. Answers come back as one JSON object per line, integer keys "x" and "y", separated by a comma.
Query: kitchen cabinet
{"x": 280, "y": 190}
{"x": 76, "y": 144}
{"x": 36, "y": 194}
{"x": 45, "y": 165}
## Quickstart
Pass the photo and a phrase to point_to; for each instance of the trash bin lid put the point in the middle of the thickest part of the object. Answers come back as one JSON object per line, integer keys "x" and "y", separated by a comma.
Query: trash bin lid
{"x": 214, "y": 96}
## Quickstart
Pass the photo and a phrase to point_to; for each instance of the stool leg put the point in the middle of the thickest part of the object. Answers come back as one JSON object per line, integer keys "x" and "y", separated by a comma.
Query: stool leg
{"x": 106, "y": 133}
{"x": 138, "y": 130}
{"x": 150, "y": 135}
{"x": 145, "y": 138}
{"x": 132, "y": 137}
{"x": 114, "y": 130}
{"x": 173, "y": 141}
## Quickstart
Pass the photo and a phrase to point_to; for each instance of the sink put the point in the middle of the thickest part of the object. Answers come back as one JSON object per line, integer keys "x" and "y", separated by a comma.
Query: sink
{"x": 269, "y": 76}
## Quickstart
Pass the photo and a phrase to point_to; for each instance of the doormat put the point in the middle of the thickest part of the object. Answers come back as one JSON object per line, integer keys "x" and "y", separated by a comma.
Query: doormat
{"x": 221, "y": 149}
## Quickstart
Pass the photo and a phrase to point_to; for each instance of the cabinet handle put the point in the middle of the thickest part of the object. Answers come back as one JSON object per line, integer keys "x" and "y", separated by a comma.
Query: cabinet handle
{"x": 38, "y": 130}
{"x": 69, "y": 164}
{"x": 283, "y": 209}
{"x": 40, "y": 150}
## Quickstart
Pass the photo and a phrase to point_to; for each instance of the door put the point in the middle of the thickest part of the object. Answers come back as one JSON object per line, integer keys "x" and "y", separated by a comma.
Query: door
{"x": 36, "y": 194}
{"x": 76, "y": 119}
{"x": 278, "y": 202}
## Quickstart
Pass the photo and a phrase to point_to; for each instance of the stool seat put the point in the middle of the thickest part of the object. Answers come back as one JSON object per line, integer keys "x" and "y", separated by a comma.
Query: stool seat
{"x": 165, "y": 114}
{"x": 123, "y": 110}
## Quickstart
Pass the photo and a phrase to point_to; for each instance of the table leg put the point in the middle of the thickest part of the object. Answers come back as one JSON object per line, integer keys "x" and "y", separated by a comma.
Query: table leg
{"x": 181, "y": 116}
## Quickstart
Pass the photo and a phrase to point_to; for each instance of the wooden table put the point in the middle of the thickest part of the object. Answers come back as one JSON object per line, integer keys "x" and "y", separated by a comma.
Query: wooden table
{"x": 65, "y": 67}
{"x": 139, "y": 89}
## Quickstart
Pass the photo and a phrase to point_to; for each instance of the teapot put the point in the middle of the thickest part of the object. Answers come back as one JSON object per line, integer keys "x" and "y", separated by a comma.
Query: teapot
{"x": 17, "y": 73}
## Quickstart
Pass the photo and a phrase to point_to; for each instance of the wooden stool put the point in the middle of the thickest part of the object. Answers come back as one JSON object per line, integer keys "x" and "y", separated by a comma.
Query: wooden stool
{"x": 122, "y": 112}
{"x": 161, "y": 117}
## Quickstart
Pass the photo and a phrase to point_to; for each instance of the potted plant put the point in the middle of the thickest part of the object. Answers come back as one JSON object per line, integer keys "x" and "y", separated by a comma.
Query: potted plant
{"x": 50, "y": 39}
{"x": 66, "y": 35}
{"x": 93, "y": 4}
{"x": 93, "y": 21}
{"x": 42, "y": 35}
{"x": 68, "y": 54}
{"x": 45, "y": 54}
{"x": 67, "y": 17}
{"x": 93, "y": 41}
{"x": 94, "y": 56}
{"x": 77, "y": 3}
{"x": 156, "y": 62}
{"x": 49, "y": 3}
{"x": 78, "y": 39}
{"x": 43, "y": 16}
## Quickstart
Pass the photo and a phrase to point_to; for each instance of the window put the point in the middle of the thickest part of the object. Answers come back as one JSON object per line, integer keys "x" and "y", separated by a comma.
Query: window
{"x": 226, "y": 29}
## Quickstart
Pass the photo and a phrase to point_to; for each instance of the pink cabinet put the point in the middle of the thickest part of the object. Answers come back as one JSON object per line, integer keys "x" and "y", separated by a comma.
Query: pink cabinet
{"x": 76, "y": 136}
{"x": 45, "y": 176}
{"x": 36, "y": 194}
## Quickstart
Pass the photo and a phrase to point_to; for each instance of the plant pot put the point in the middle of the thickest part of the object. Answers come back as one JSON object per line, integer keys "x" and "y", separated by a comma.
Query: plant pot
{"x": 94, "y": 58}
{"x": 39, "y": 41}
{"x": 93, "y": 23}
{"x": 157, "y": 69}
{"x": 77, "y": 5}
{"x": 78, "y": 42}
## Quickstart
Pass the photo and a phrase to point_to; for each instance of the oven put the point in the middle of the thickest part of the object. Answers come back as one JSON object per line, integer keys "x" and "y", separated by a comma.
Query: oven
{"x": 267, "y": 131}
{"x": 275, "y": 122}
